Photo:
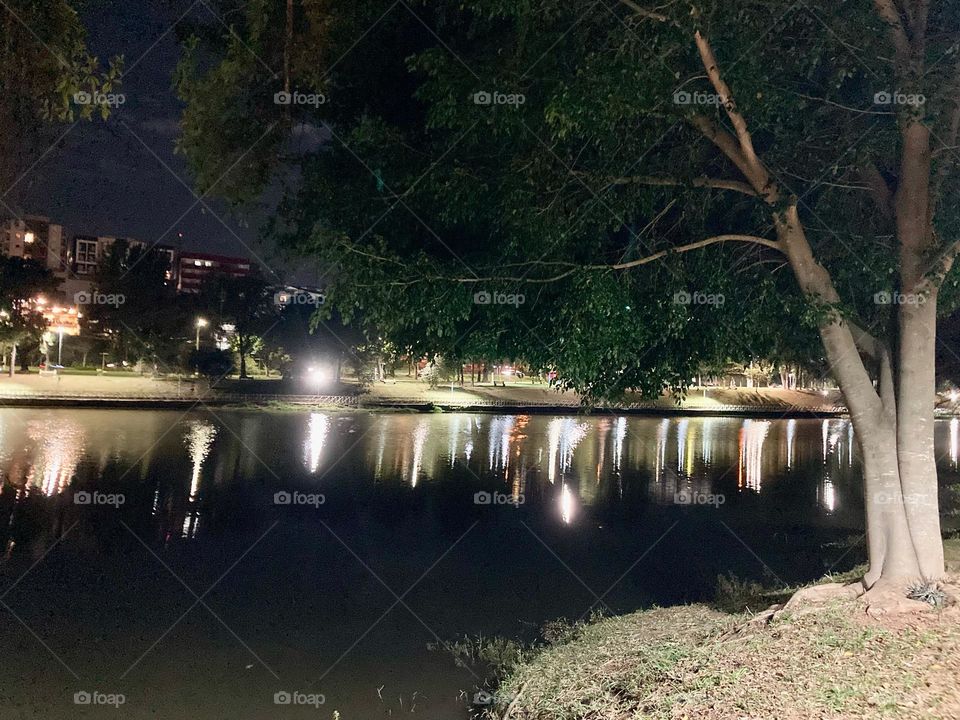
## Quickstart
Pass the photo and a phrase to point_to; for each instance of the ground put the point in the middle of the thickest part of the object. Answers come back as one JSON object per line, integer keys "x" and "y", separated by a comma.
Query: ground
{"x": 690, "y": 662}
{"x": 400, "y": 389}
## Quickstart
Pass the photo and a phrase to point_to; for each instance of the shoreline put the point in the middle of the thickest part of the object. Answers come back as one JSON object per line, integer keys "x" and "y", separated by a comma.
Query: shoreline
{"x": 254, "y": 402}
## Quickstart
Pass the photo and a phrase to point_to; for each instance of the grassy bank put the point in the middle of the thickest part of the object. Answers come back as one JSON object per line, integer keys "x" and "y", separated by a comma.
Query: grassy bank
{"x": 684, "y": 662}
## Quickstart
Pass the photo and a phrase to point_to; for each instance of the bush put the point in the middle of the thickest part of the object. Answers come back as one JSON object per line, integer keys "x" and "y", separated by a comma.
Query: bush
{"x": 211, "y": 363}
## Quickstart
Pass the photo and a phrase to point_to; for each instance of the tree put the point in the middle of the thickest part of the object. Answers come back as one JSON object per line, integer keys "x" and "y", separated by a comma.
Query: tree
{"x": 211, "y": 363}
{"x": 133, "y": 306}
{"x": 638, "y": 176}
{"x": 21, "y": 323}
{"x": 244, "y": 303}
{"x": 46, "y": 76}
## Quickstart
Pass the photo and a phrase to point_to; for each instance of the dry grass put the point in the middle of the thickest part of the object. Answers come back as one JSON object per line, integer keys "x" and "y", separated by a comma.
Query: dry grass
{"x": 680, "y": 663}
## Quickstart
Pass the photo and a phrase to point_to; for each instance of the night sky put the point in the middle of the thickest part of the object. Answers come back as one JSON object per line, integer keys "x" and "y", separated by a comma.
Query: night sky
{"x": 109, "y": 178}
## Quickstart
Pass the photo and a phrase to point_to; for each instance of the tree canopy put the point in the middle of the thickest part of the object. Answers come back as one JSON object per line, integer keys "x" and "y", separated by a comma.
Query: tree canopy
{"x": 47, "y": 76}
{"x": 548, "y": 150}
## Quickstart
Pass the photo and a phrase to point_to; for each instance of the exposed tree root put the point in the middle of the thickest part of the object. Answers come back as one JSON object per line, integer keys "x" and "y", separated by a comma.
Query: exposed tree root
{"x": 828, "y": 592}
{"x": 887, "y": 599}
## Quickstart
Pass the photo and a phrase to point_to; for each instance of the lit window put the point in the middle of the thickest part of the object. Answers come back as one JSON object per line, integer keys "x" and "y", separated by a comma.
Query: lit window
{"x": 208, "y": 263}
{"x": 198, "y": 263}
{"x": 28, "y": 238}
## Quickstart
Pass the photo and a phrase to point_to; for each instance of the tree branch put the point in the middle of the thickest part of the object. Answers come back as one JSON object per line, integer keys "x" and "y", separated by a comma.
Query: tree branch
{"x": 898, "y": 34}
{"x": 716, "y": 239}
{"x": 574, "y": 267}
{"x": 726, "y": 97}
{"x": 700, "y": 182}
{"x": 881, "y": 191}
{"x": 937, "y": 269}
{"x": 868, "y": 344}
{"x": 725, "y": 142}
{"x": 643, "y": 12}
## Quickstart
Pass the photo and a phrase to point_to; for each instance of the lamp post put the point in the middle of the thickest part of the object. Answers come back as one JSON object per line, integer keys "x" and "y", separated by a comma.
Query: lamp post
{"x": 201, "y": 323}
{"x": 319, "y": 376}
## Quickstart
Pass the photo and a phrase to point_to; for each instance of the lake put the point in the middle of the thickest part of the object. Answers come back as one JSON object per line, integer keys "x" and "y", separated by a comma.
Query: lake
{"x": 251, "y": 564}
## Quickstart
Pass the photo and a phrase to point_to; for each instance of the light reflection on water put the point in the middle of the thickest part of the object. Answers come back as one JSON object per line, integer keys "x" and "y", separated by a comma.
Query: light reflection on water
{"x": 42, "y": 450}
{"x": 584, "y": 459}
{"x": 590, "y": 496}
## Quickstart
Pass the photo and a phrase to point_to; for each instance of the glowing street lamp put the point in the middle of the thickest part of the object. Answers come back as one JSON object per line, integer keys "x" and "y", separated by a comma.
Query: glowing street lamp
{"x": 201, "y": 323}
{"x": 319, "y": 376}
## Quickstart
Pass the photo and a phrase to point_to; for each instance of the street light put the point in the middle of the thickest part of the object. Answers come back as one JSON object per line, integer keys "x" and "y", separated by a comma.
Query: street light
{"x": 201, "y": 323}
{"x": 319, "y": 376}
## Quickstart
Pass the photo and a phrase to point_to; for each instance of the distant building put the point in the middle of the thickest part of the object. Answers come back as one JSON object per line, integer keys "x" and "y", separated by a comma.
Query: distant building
{"x": 35, "y": 238}
{"x": 87, "y": 252}
{"x": 193, "y": 269}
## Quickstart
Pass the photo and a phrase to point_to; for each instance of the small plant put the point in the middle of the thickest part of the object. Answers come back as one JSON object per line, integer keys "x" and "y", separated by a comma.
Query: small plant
{"x": 930, "y": 593}
{"x": 499, "y": 654}
{"x": 736, "y": 595}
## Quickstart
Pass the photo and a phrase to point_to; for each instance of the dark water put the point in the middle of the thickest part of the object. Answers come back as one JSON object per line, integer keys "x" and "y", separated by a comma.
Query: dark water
{"x": 191, "y": 587}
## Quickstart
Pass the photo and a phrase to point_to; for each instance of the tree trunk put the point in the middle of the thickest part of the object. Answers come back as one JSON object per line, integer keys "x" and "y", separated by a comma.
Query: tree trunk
{"x": 916, "y": 454}
{"x": 882, "y": 423}
{"x": 241, "y": 347}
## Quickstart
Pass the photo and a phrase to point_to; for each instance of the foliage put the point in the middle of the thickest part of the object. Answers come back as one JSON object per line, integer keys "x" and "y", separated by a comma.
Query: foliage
{"x": 44, "y": 64}
{"x": 21, "y": 323}
{"x": 423, "y": 198}
{"x": 211, "y": 362}
{"x": 133, "y": 306}
{"x": 243, "y": 302}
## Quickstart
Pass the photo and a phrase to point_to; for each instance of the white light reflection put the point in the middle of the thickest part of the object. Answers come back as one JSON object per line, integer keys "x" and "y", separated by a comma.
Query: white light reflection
{"x": 661, "y": 461}
{"x": 454, "y": 440}
{"x": 563, "y": 436}
{"x": 199, "y": 439}
{"x": 567, "y": 504}
{"x": 829, "y": 494}
{"x": 498, "y": 442}
{"x": 791, "y": 440}
{"x": 619, "y": 435}
{"x": 752, "y": 435}
{"x": 954, "y": 440}
{"x": 60, "y": 448}
{"x": 317, "y": 429}
{"x": 419, "y": 440}
{"x": 683, "y": 427}
{"x": 824, "y": 435}
{"x": 849, "y": 443}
